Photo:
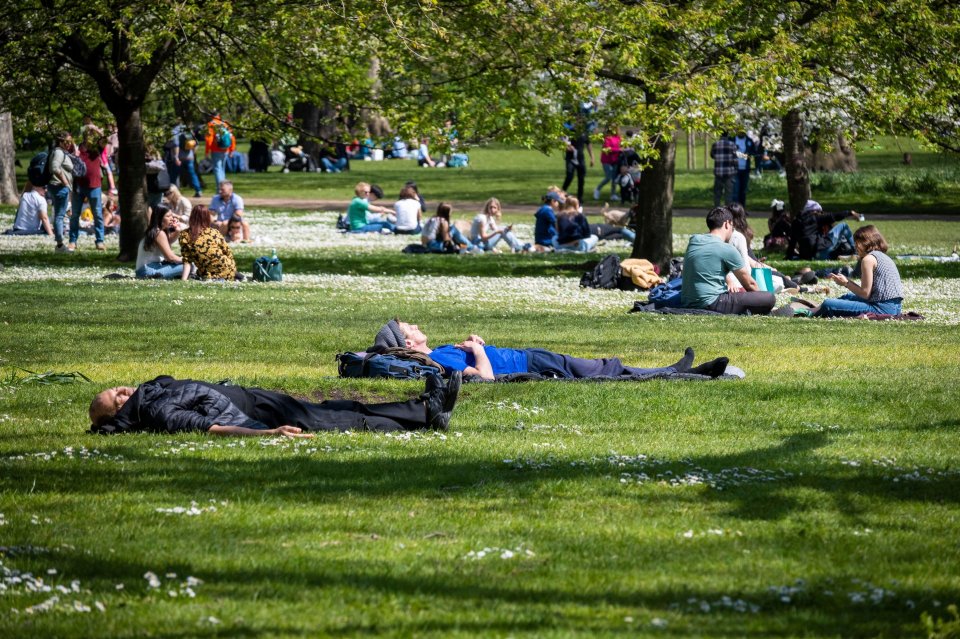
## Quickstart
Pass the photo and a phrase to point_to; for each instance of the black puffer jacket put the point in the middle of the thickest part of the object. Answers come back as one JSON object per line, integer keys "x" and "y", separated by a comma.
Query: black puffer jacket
{"x": 808, "y": 229}
{"x": 168, "y": 405}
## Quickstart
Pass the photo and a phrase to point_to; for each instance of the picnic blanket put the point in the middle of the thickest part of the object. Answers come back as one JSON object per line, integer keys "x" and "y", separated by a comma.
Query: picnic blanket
{"x": 651, "y": 307}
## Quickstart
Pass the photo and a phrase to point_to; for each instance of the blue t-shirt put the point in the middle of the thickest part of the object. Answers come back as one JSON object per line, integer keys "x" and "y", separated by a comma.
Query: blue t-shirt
{"x": 545, "y": 230}
{"x": 226, "y": 208}
{"x": 502, "y": 360}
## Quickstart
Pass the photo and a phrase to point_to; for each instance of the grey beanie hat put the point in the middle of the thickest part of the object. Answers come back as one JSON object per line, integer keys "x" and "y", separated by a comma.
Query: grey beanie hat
{"x": 390, "y": 335}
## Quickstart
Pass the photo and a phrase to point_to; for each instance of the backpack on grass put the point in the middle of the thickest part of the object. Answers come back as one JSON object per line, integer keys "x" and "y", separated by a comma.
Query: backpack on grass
{"x": 375, "y": 365}
{"x": 606, "y": 274}
{"x": 267, "y": 269}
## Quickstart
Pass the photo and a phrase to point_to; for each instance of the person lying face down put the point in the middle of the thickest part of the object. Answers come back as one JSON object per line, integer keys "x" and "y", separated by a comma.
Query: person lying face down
{"x": 473, "y": 356}
{"x": 168, "y": 405}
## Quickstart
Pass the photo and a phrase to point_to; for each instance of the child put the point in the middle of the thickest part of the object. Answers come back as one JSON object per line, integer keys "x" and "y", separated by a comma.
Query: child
{"x": 880, "y": 289}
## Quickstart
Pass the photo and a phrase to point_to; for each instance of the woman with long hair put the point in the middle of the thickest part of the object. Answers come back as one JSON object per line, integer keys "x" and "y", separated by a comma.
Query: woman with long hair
{"x": 880, "y": 289}
{"x": 155, "y": 257}
{"x": 440, "y": 235}
{"x": 486, "y": 230}
{"x": 205, "y": 248}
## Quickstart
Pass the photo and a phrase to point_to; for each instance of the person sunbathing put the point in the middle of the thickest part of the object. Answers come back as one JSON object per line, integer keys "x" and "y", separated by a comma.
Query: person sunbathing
{"x": 168, "y": 405}
{"x": 473, "y": 356}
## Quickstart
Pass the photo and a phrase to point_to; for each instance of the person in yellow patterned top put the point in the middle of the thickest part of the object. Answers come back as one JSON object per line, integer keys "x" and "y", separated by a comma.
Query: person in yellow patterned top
{"x": 204, "y": 247}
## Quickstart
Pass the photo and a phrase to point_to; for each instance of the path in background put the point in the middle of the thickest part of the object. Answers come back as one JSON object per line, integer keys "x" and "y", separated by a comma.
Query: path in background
{"x": 589, "y": 209}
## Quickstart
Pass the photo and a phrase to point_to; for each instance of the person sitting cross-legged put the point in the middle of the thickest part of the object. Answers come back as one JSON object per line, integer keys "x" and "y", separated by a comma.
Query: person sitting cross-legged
{"x": 708, "y": 260}
{"x": 475, "y": 357}
{"x": 168, "y": 405}
{"x": 227, "y": 205}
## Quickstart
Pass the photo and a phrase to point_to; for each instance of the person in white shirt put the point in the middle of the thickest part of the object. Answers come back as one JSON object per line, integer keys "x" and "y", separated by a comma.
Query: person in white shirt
{"x": 408, "y": 211}
{"x": 32, "y": 213}
{"x": 486, "y": 231}
{"x": 423, "y": 154}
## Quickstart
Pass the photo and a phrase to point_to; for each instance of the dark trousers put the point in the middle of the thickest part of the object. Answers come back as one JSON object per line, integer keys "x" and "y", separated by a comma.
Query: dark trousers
{"x": 581, "y": 171}
{"x": 723, "y": 189}
{"x": 546, "y": 362}
{"x": 278, "y": 409}
{"x": 757, "y": 302}
{"x": 743, "y": 180}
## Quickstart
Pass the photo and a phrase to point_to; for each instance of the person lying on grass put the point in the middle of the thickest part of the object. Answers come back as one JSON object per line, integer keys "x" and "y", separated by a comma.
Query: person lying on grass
{"x": 473, "y": 356}
{"x": 168, "y": 405}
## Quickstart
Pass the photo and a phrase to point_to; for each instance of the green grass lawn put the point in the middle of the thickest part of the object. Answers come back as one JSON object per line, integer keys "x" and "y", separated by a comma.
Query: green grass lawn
{"x": 818, "y": 497}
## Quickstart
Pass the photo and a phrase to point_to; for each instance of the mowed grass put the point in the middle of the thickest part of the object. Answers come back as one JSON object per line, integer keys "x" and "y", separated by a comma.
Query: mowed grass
{"x": 817, "y": 497}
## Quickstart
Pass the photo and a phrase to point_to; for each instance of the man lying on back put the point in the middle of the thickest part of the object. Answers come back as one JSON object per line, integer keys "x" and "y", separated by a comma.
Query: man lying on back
{"x": 168, "y": 405}
{"x": 473, "y": 356}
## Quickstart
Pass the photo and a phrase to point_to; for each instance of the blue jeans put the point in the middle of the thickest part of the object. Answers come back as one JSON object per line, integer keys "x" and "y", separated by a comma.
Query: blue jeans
{"x": 219, "y": 167}
{"x": 740, "y": 189}
{"x": 851, "y": 305}
{"x": 838, "y": 232}
{"x": 490, "y": 243}
{"x": 174, "y": 172}
{"x": 585, "y": 245}
{"x": 334, "y": 166}
{"x": 373, "y": 227}
{"x": 188, "y": 167}
{"x": 96, "y": 207}
{"x": 609, "y": 172}
{"x": 628, "y": 234}
{"x": 162, "y": 270}
{"x": 61, "y": 197}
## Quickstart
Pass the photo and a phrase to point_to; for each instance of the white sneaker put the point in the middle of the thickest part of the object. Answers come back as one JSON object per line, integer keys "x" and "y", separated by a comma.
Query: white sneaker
{"x": 386, "y": 231}
{"x": 614, "y": 198}
{"x": 596, "y": 194}
{"x": 63, "y": 248}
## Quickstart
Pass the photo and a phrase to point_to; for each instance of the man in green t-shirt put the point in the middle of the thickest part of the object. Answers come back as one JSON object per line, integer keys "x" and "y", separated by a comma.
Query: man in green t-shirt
{"x": 705, "y": 266}
{"x": 357, "y": 213}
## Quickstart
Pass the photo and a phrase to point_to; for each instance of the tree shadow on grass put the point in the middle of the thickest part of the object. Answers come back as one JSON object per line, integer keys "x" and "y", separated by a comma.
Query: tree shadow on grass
{"x": 822, "y": 607}
{"x": 756, "y": 484}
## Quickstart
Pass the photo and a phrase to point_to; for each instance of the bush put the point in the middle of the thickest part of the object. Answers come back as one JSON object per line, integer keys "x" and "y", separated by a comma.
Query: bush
{"x": 928, "y": 184}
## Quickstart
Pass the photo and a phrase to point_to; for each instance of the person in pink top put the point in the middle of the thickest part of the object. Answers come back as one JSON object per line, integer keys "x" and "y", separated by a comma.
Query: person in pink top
{"x": 609, "y": 158}
{"x": 88, "y": 188}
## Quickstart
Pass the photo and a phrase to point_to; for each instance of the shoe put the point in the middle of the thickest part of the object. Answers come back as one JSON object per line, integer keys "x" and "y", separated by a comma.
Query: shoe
{"x": 614, "y": 198}
{"x": 71, "y": 247}
{"x": 596, "y": 194}
{"x": 198, "y": 194}
{"x": 101, "y": 247}
{"x": 63, "y": 249}
{"x": 385, "y": 231}
{"x": 441, "y": 400}
{"x": 808, "y": 278}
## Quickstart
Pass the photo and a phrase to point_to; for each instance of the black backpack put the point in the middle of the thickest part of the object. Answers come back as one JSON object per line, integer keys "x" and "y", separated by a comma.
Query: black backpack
{"x": 606, "y": 274}
{"x": 39, "y": 170}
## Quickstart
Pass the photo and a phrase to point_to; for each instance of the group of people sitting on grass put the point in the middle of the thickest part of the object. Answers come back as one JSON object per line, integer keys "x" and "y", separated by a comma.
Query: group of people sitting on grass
{"x": 203, "y": 233}
{"x": 559, "y": 224}
{"x": 717, "y": 272}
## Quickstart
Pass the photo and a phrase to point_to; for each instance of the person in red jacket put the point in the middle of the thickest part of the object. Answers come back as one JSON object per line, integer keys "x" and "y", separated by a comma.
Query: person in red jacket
{"x": 220, "y": 142}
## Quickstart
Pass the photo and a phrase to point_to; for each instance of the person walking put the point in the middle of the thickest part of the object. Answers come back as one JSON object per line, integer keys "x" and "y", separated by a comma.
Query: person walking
{"x": 724, "y": 154}
{"x": 220, "y": 142}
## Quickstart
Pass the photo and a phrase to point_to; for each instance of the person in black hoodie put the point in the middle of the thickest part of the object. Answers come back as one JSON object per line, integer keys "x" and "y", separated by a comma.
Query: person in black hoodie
{"x": 814, "y": 236}
{"x": 168, "y": 405}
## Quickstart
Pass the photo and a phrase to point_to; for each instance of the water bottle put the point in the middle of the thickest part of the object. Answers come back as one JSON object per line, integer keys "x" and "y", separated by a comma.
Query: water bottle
{"x": 274, "y": 256}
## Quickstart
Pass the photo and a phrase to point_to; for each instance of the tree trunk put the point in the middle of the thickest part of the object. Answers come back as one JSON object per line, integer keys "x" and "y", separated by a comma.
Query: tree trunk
{"x": 9, "y": 193}
{"x": 655, "y": 219}
{"x": 131, "y": 182}
{"x": 798, "y": 177}
{"x": 842, "y": 158}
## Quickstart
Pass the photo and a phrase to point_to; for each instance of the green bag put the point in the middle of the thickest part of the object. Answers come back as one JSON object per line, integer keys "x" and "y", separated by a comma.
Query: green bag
{"x": 268, "y": 269}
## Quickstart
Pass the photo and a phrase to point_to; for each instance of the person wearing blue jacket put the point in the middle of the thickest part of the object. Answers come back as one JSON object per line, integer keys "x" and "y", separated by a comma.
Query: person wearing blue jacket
{"x": 545, "y": 227}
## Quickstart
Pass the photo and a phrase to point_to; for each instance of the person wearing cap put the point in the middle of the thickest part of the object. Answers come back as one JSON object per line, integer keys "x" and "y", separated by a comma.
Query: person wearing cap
{"x": 473, "y": 356}
{"x": 813, "y": 234}
{"x": 359, "y": 209}
{"x": 708, "y": 260}
{"x": 545, "y": 231}
{"x": 779, "y": 226}
{"x": 168, "y": 405}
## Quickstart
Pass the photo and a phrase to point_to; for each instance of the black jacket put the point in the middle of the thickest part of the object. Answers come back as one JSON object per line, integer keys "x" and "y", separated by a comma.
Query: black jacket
{"x": 807, "y": 229}
{"x": 168, "y": 405}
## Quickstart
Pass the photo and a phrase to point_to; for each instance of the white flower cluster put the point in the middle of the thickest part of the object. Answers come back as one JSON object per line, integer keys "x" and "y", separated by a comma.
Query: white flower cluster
{"x": 193, "y": 509}
{"x": 646, "y": 469}
{"x": 710, "y": 532}
{"x": 13, "y": 581}
{"x": 502, "y": 553}
{"x": 725, "y": 602}
{"x": 69, "y": 452}
{"x": 515, "y": 407}
{"x": 175, "y": 588}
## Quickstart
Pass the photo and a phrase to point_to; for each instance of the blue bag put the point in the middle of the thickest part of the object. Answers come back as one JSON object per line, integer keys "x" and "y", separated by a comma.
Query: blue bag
{"x": 376, "y": 365}
{"x": 666, "y": 295}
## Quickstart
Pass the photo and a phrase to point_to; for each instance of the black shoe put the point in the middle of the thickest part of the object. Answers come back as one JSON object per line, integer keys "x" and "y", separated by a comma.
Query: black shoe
{"x": 808, "y": 278}
{"x": 713, "y": 368}
{"x": 433, "y": 383}
{"x": 441, "y": 400}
